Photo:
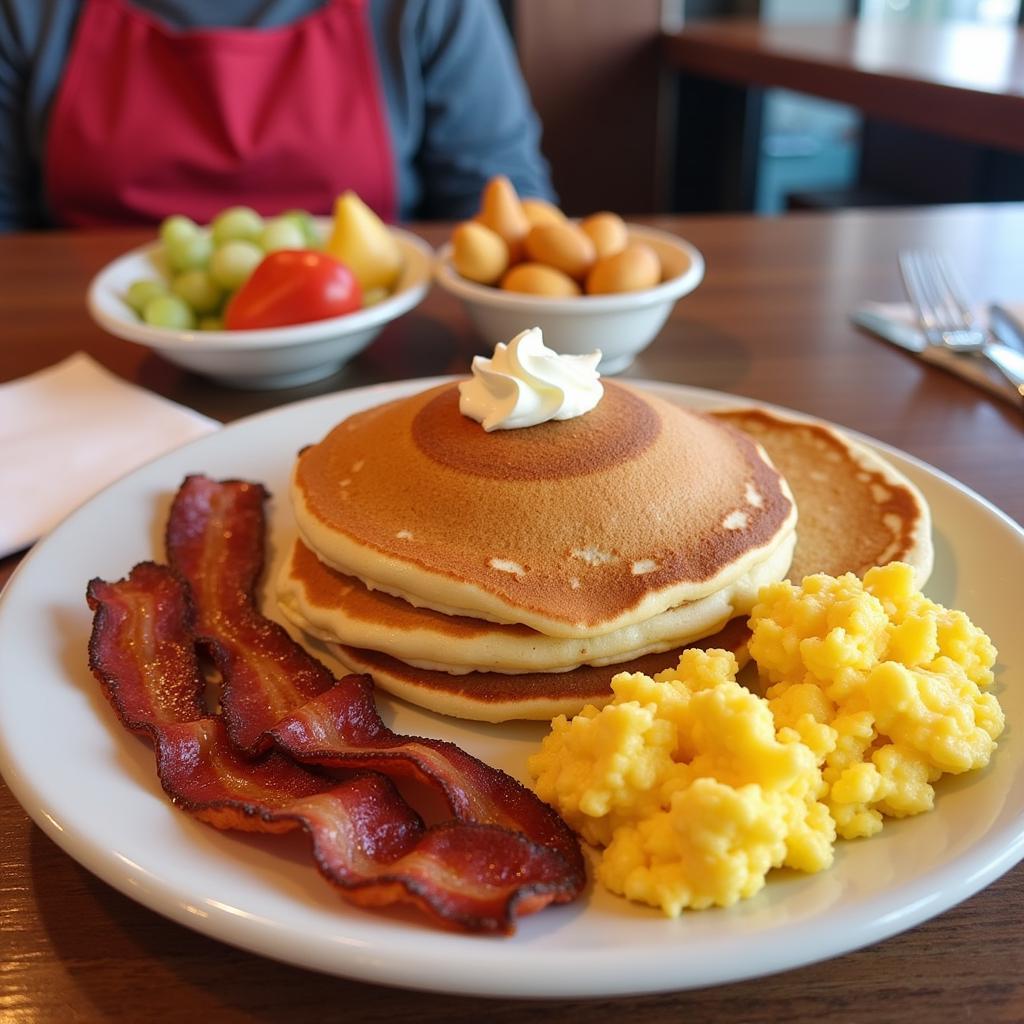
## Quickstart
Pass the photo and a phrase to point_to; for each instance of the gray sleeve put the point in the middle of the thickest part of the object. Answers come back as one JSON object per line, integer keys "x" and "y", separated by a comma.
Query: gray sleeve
{"x": 478, "y": 120}
{"x": 18, "y": 207}
{"x": 34, "y": 39}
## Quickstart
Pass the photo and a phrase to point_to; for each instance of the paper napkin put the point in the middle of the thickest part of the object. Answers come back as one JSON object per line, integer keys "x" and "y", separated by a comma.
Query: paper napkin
{"x": 68, "y": 431}
{"x": 975, "y": 369}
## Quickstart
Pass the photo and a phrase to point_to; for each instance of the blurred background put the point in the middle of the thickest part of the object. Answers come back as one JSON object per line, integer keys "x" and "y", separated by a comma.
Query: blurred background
{"x": 625, "y": 128}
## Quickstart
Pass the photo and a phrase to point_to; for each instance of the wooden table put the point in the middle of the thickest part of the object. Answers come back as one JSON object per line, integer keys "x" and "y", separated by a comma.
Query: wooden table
{"x": 943, "y": 107}
{"x": 957, "y": 79}
{"x": 769, "y": 322}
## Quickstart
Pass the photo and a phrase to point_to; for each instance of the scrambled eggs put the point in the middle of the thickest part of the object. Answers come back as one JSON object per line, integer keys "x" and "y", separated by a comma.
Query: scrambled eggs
{"x": 696, "y": 788}
{"x": 884, "y": 685}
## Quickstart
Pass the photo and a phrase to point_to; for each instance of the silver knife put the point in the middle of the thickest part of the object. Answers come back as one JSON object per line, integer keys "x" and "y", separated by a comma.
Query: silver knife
{"x": 891, "y": 330}
{"x": 902, "y": 334}
{"x": 1005, "y": 346}
{"x": 1005, "y": 326}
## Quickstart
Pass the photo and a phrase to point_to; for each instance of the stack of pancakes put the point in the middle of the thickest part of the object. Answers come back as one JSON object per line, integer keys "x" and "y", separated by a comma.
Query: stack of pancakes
{"x": 498, "y": 575}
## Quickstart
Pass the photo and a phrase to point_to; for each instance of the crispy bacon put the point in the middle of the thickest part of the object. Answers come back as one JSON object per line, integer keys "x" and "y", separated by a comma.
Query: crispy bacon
{"x": 141, "y": 635}
{"x": 215, "y": 539}
{"x": 343, "y": 729}
{"x": 366, "y": 840}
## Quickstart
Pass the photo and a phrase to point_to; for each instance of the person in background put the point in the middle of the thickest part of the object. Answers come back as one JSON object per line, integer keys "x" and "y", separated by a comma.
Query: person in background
{"x": 124, "y": 111}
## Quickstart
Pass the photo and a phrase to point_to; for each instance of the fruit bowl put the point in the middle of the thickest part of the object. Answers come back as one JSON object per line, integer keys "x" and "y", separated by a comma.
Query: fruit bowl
{"x": 620, "y": 325}
{"x": 278, "y": 357}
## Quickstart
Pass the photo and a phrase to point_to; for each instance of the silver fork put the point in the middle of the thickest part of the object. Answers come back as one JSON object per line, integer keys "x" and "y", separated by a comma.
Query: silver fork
{"x": 945, "y": 317}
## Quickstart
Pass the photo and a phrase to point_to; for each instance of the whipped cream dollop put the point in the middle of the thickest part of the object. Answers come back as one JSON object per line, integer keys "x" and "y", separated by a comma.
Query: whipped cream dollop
{"x": 525, "y": 383}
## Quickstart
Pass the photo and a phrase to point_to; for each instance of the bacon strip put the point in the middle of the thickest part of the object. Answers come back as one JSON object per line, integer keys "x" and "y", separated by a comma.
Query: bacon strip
{"x": 343, "y": 729}
{"x": 141, "y": 634}
{"x": 215, "y": 540}
{"x": 366, "y": 840}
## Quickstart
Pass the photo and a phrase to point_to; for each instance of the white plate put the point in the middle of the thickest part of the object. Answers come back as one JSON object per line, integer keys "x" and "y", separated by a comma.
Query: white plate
{"x": 92, "y": 787}
{"x": 274, "y": 357}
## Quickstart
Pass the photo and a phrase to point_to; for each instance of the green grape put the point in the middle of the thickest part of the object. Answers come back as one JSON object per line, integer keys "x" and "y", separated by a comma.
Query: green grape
{"x": 282, "y": 233}
{"x": 169, "y": 311}
{"x": 237, "y": 223}
{"x": 140, "y": 292}
{"x": 177, "y": 229}
{"x": 211, "y": 323}
{"x": 314, "y": 240}
{"x": 199, "y": 290}
{"x": 233, "y": 262}
{"x": 191, "y": 253}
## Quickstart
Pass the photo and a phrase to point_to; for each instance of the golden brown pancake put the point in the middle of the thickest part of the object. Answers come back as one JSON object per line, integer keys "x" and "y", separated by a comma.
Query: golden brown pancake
{"x": 856, "y": 510}
{"x": 337, "y": 608}
{"x": 574, "y": 528}
{"x": 495, "y": 697}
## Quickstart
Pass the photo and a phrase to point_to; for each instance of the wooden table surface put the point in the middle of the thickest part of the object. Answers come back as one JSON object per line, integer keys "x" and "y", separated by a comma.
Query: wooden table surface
{"x": 769, "y": 322}
{"x": 957, "y": 79}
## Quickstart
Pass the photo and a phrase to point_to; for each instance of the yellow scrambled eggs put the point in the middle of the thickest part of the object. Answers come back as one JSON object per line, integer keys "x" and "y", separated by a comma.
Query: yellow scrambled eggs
{"x": 695, "y": 787}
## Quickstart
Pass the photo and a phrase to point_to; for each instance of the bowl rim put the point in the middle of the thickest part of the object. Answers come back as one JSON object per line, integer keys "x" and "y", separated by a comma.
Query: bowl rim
{"x": 289, "y": 336}
{"x": 674, "y": 288}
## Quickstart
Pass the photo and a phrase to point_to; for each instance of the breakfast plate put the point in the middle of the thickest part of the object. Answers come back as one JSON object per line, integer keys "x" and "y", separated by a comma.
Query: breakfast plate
{"x": 93, "y": 789}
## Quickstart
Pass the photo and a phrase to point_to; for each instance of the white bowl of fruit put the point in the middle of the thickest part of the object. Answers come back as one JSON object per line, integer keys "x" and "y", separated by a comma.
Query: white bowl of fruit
{"x": 257, "y": 303}
{"x": 599, "y": 283}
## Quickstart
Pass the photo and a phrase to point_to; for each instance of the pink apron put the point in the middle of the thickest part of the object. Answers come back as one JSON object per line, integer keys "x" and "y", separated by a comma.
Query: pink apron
{"x": 150, "y": 121}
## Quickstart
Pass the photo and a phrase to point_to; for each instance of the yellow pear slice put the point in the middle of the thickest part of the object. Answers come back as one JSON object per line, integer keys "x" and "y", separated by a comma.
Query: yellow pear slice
{"x": 362, "y": 241}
